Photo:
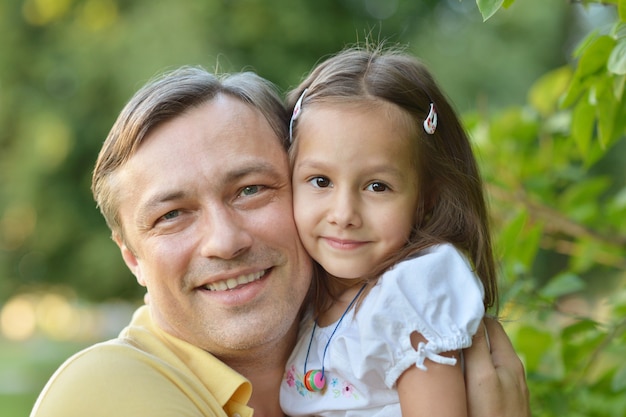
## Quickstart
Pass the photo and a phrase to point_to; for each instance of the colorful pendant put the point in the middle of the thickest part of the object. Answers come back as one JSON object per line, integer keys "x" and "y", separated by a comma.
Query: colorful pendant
{"x": 314, "y": 380}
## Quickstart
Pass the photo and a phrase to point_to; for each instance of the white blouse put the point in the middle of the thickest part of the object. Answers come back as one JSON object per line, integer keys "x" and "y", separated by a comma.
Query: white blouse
{"x": 435, "y": 293}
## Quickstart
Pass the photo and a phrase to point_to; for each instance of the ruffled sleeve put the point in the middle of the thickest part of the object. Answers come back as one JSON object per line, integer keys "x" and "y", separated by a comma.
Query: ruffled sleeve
{"x": 436, "y": 294}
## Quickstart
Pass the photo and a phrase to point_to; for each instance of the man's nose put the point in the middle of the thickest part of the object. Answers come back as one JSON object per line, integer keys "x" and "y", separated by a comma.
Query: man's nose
{"x": 224, "y": 234}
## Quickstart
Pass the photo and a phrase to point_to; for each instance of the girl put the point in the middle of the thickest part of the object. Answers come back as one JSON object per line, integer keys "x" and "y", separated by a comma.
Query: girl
{"x": 388, "y": 200}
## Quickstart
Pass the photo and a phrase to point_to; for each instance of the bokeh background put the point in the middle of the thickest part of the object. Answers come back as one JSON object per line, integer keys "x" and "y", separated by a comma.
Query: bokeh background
{"x": 556, "y": 178}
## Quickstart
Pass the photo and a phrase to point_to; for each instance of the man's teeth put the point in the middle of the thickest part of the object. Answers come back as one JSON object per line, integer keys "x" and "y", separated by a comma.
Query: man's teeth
{"x": 231, "y": 283}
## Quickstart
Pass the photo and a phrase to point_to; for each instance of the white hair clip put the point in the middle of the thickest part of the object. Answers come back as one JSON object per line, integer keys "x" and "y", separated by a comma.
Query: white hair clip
{"x": 430, "y": 124}
{"x": 297, "y": 109}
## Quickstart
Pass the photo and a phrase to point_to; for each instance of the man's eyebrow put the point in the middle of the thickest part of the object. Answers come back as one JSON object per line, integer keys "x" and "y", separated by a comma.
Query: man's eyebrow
{"x": 154, "y": 201}
{"x": 144, "y": 219}
{"x": 163, "y": 198}
{"x": 230, "y": 176}
{"x": 259, "y": 167}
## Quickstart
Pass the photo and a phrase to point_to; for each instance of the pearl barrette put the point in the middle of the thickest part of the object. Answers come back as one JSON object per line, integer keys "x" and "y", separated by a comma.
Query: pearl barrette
{"x": 430, "y": 123}
{"x": 296, "y": 113}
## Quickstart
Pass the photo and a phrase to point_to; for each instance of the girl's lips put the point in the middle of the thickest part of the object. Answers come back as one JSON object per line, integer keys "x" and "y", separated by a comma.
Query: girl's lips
{"x": 343, "y": 244}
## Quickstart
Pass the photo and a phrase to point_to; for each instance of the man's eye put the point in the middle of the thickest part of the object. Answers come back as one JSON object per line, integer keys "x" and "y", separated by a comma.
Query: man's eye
{"x": 377, "y": 187}
{"x": 320, "y": 182}
{"x": 250, "y": 190}
{"x": 171, "y": 215}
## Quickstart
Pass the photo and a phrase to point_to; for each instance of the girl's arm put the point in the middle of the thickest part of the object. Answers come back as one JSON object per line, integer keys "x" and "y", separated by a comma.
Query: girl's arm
{"x": 439, "y": 391}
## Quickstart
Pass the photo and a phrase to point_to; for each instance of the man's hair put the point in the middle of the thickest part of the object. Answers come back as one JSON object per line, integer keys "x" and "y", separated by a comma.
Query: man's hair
{"x": 167, "y": 97}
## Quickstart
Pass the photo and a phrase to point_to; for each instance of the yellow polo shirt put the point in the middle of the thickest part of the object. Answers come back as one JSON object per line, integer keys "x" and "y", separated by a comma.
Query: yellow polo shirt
{"x": 144, "y": 372}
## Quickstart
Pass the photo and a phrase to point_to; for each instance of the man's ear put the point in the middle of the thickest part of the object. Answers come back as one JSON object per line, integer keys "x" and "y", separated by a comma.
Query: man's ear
{"x": 130, "y": 259}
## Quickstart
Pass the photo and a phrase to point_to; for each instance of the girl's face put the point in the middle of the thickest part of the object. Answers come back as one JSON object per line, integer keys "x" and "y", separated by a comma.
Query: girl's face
{"x": 354, "y": 185}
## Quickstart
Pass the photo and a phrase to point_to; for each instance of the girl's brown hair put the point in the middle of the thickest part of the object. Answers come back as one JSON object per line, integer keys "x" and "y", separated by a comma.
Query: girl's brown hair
{"x": 452, "y": 206}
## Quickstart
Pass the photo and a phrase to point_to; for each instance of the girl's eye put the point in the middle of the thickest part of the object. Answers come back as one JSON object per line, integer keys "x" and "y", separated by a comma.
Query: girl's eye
{"x": 320, "y": 182}
{"x": 377, "y": 187}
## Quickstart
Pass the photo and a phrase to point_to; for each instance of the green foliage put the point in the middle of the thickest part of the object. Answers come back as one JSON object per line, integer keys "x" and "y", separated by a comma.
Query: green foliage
{"x": 559, "y": 209}
{"x": 489, "y": 7}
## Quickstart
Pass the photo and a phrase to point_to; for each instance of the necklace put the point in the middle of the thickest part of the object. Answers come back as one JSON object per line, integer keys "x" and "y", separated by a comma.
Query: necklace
{"x": 314, "y": 379}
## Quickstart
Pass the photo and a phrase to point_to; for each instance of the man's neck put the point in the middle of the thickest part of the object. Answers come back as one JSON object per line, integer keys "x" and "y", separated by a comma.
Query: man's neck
{"x": 265, "y": 392}
{"x": 265, "y": 369}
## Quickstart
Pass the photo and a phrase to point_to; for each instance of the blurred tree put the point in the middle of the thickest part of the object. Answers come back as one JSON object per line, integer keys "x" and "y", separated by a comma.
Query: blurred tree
{"x": 559, "y": 199}
{"x": 68, "y": 67}
{"x": 540, "y": 85}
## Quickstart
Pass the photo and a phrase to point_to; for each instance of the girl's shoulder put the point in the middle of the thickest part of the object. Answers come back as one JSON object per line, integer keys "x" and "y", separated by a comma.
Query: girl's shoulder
{"x": 435, "y": 291}
{"x": 430, "y": 266}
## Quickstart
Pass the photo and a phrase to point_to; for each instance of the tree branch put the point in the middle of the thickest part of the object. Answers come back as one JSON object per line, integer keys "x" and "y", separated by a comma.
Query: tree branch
{"x": 555, "y": 224}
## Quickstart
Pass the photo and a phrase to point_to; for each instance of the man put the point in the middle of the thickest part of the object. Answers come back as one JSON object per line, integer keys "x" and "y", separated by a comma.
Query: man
{"x": 194, "y": 182}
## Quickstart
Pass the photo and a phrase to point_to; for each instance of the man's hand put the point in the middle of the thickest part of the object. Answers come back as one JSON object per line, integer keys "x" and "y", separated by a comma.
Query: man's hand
{"x": 495, "y": 381}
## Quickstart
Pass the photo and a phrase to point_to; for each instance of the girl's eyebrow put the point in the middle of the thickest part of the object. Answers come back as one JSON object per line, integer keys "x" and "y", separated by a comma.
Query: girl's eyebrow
{"x": 390, "y": 169}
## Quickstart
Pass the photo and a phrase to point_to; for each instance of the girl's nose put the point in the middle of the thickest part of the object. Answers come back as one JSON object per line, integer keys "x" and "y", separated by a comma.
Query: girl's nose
{"x": 344, "y": 211}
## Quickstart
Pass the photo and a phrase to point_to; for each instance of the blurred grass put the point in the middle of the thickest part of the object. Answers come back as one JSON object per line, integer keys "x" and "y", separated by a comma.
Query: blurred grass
{"x": 25, "y": 367}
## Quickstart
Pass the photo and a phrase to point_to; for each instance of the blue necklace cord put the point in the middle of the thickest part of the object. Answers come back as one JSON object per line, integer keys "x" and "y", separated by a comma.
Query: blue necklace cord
{"x": 306, "y": 359}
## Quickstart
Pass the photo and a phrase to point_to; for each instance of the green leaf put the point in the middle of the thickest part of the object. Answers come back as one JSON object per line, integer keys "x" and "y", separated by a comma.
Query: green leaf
{"x": 618, "y": 86}
{"x": 619, "y": 30}
{"x": 528, "y": 251}
{"x": 580, "y": 200}
{"x": 618, "y": 382}
{"x": 488, "y": 7}
{"x": 519, "y": 240}
{"x": 607, "y": 111}
{"x": 579, "y": 330}
{"x": 582, "y": 126}
{"x": 533, "y": 344}
{"x": 595, "y": 56}
{"x": 621, "y": 10}
{"x": 579, "y": 341}
{"x": 547, "y": 91}
{"x": 587, "y": 40}
{"x": 575, "y": 90}
{"x": 587, "y": 253}
{"x": 617, "y": 60}
{"x": 562, "y": 285}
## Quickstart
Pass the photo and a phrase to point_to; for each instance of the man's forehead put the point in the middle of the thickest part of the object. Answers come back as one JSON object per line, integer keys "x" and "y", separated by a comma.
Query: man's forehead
{"x": 223, "y": 137}
{"x": 223, "y": 119}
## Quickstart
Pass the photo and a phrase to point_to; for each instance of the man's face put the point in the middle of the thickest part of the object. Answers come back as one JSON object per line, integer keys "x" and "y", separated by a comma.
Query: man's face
{"x": 206, "y": 211}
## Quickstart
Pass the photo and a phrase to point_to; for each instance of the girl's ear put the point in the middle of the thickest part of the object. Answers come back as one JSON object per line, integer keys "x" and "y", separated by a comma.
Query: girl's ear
{"x": 131, "y": 260}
